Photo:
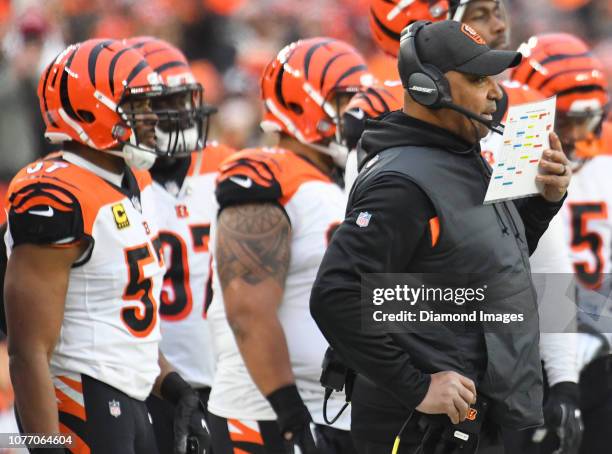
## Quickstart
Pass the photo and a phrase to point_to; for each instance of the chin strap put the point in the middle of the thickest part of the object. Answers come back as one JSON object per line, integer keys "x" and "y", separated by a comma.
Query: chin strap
{"x": 135, "y": 157}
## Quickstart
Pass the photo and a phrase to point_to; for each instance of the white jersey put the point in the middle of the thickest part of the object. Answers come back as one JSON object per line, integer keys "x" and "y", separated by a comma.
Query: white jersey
{"x": 315, "y": 207}
{"x": 587, "y": 216}
{"x": 185, "y": 214}
{"x": 110, "y": 329}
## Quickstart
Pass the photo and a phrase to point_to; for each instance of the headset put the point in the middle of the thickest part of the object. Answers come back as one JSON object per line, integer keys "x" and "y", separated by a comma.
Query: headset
{"x": 425, "y": 83}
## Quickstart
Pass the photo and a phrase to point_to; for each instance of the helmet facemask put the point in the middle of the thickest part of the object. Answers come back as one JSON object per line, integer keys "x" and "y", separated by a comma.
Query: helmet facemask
{"x": 138, "y": 141}
{"x": 183, "y": 121}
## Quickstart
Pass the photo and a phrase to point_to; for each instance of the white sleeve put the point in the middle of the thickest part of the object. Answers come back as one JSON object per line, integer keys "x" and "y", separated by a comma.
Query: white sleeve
{"x": 351, "y": 170}
{"x": 558, "y": 350}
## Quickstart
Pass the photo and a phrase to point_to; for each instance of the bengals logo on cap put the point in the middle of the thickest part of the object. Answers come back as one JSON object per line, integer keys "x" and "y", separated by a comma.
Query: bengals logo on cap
{"x": 472, "y": 34}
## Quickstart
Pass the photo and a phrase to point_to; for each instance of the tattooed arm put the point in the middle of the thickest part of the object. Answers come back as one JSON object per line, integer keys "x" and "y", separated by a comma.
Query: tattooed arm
{"x": 253, "y": 251}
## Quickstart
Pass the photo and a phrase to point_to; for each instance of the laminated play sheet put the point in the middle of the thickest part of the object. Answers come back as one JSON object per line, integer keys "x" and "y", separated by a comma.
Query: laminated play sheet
{"x": 525, "y": 138}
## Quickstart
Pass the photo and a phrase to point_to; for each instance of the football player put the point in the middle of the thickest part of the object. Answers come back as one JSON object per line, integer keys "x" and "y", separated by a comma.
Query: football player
{"x": 183, "y": 187}
{"x": 278, "y": 208}
{"x": 85, "y": 267}
{"x": 563, "y": 65}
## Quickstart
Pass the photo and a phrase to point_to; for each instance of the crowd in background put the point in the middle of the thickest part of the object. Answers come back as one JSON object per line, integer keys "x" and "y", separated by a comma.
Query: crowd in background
{"x": 228, "y": 43}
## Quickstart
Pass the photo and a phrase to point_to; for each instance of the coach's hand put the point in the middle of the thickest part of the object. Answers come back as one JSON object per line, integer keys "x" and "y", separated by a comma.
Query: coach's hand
{"x": 555, "y": 171}
{"x": 449, "y": 393}
{"x": 190, "y": 432}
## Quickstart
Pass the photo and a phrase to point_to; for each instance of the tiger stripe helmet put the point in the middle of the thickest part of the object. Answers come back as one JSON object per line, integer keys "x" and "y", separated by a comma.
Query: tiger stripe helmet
{"x": 389, "y": 17}
{"x": 563, "y": 65}
{"x": 165, "y": 59}
{"x": 298, "y": 86}
{"x": 82, "y": 88}
{"x": 375, "y": 101}
{"x": 370, "y": 103}
{"x": 184, "y": 129}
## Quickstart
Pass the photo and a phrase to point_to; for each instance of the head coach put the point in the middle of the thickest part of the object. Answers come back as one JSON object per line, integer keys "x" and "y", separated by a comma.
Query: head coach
{"x": 417, "y": 207}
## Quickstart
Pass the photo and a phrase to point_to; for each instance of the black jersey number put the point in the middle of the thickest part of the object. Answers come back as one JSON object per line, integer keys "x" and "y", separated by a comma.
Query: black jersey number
{"x": 139, "y": 319}
{"x": 583, "y": 238}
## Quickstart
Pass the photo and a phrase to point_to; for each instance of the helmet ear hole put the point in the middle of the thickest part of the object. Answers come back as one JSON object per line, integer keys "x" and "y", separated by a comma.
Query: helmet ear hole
{"x": 296, "y": 108}
{"x": 86, "y": 116}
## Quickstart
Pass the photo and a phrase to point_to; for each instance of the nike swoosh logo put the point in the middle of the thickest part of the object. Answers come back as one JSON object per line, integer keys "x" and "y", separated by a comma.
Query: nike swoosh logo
{"x": 47, "y": 213}
{"x": 359, "y": 114}
{"x": 245, "y": 182}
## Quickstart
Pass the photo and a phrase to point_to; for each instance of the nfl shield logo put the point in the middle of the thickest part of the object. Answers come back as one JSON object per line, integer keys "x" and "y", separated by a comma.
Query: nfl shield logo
{"x": 115, "y": 408}
{"x": 363, "y": 220}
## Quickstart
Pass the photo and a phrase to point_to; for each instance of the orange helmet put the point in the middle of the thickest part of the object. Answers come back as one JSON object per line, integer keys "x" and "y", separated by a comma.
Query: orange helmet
{"x": 370, "y": 103}
{"x": 183, "y": 117}
{"x": 516, "y": 93}
{"x": 374, "y": 101}
{"x": 389, "y": 17}
{"x": 563, "y": 65}
{"x": 299, "y": 85}
{"x": 81, "y": 93}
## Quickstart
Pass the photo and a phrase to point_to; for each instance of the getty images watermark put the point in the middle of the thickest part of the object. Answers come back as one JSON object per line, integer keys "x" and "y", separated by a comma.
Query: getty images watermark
{"x": 404, "y": 294}
{"x": 485, "y": 303}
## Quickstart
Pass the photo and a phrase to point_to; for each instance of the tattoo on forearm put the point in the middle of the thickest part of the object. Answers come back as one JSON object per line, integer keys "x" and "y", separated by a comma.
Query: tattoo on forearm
{"x": 253, "y": 244}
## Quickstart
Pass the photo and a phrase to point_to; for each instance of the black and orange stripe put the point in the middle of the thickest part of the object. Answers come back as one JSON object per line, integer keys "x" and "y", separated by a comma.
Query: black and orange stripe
{"x": 382, "y": 27}
{"x": 41, "y": 195}
{"x": 150, "y": 46}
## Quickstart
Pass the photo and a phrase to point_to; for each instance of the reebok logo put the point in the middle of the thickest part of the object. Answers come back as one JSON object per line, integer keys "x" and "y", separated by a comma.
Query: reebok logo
{"x": 422, "y": 89}
{"x": 245, "y": 182}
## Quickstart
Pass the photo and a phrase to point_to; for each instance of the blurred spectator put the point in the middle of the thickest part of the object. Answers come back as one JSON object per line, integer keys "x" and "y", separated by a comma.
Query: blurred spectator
{"x": 229, "y": 42}
{"x": 603, "y": 50}
{"x": 19, "y": 118}
{"x": 237, "y": 122}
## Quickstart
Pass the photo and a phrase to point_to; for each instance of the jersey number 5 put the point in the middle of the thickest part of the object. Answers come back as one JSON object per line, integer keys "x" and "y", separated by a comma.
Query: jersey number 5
{"x": 138, "y": 321}
{"x": 582, "y": 239}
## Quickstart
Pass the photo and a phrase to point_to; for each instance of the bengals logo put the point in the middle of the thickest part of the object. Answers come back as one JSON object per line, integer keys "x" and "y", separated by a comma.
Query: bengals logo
{"x": 472, "y": 34}
{"x": 471, "y": 416}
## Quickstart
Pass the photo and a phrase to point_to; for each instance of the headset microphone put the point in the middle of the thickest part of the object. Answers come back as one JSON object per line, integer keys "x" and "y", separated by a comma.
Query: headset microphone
{"x": 491, "y": 124}
{"x": 426, "y": 84}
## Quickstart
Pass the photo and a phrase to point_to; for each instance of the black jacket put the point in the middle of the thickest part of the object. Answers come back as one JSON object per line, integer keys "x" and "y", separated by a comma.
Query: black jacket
{"x": 398, "y": 239}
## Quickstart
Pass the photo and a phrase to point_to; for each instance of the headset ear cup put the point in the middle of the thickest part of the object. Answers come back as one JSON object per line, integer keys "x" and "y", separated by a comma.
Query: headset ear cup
{"x": 442, "y": 85}
{"x": 423, "y": 89}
